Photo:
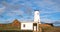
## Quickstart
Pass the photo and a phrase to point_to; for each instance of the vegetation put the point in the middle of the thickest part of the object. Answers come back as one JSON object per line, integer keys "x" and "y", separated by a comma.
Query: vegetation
{"x": 49, "y": 29}
{"x": 8, "y": 27}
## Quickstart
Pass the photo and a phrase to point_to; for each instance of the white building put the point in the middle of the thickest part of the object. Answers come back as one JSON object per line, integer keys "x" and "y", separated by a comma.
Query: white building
{"x": 31, "y": 25}
{"x": 26, "y": 26}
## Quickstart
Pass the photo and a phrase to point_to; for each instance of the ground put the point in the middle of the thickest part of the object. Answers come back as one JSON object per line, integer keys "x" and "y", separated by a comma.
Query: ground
{"x": 48, "y": 28}
{"x": 44, "y": 28}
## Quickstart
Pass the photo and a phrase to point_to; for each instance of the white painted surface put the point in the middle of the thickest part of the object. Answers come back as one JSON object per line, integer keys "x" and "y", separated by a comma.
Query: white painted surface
{"x": 36, "y": 16}
{"x": 34, "y": 28}
{"x": 28, "y": 26}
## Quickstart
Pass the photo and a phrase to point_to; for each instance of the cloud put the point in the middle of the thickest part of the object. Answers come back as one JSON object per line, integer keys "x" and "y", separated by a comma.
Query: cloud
{"x": 2, "y": 10}
{"x": 57, "y": 22}
{"x": 48, "y": 5}
{"x": 18, "y": 6}
{"x": 46, "y": 20}
{"x": 15, "y": 12}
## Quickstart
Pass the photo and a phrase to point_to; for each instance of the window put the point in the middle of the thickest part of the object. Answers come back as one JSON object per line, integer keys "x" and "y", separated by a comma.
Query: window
{"x": 23, "y": 25}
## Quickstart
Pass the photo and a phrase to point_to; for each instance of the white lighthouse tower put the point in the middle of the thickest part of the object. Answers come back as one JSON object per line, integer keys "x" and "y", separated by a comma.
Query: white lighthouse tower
{"x": 36, "y": 16}
{"x": 36, "y": 20}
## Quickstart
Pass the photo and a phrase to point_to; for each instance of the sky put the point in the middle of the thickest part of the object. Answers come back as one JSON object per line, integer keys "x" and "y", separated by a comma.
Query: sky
{"x": 23, "y": 10}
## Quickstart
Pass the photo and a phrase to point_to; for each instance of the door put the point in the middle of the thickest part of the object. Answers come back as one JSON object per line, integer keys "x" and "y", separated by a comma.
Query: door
{"x": 35, "y": 26}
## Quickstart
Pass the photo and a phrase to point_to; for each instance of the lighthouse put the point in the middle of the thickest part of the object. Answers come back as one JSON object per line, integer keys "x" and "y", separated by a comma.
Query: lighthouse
{"x": 36, "y": 20}
{"x": 36, "y": 16}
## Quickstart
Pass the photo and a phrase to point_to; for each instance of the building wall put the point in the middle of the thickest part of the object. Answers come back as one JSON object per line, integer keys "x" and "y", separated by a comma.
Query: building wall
{"x": 26, "y": 26}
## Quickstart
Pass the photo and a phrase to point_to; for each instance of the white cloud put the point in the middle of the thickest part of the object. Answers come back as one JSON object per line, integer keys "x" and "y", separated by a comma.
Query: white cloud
{"x": 2, "y": 9}
{"x": 15, "y": 12}
{"x": 9, "y": 6}
{"x": 46, "y": 20}
{"x": 48, "y": 5}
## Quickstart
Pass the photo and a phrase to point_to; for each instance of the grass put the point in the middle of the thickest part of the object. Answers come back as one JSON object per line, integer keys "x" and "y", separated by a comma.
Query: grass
{"x": 50, "y": 29}
{"x": 8, "y": 27}
{"x": 44, "y": 28}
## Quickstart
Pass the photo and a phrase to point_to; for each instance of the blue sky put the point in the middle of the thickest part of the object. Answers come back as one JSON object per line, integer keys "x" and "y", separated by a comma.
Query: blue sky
{"x": 23, "y": 10}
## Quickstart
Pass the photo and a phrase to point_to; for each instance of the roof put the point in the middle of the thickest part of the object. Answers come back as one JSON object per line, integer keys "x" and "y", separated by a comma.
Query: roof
{"x": 16, "y": 20}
